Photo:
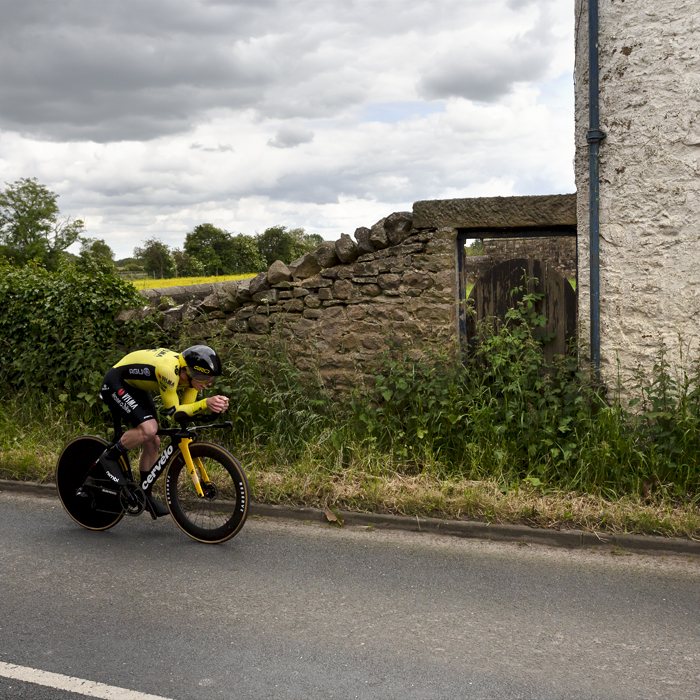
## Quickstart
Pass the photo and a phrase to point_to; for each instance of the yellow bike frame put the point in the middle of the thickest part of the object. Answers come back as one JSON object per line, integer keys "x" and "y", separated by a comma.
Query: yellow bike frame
{"x": 192, "y": 470}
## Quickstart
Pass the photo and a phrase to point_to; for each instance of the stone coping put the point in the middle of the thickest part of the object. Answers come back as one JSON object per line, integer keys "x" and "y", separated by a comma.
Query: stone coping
{"x": 181, "y": 294}
{"x": 496, "y": 212}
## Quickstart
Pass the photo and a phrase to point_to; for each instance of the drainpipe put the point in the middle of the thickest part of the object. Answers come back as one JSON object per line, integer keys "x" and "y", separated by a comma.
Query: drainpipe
{"x": 594, "y": 137}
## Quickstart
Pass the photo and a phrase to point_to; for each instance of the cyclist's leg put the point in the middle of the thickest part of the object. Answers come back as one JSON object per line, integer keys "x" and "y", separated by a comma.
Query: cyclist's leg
{"x": 150, "y": 444}
{"x": 136, "y": 407}
{"x": 144, "y": 435}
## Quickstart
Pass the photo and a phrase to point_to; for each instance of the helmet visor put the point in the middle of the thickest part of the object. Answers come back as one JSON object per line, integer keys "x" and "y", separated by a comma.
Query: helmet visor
{"x": 200, "y": 376}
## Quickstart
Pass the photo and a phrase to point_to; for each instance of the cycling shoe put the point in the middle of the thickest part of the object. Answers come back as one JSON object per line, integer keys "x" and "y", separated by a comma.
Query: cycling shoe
{"x": 159, "y": 508}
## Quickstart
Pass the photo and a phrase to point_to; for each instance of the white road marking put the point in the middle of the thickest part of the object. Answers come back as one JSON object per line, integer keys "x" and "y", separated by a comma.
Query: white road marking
{"x": 72, "y": 685}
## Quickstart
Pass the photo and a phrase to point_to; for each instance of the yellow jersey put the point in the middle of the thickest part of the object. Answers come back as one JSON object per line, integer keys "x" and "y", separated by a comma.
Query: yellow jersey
{"x": 160, "y": 369}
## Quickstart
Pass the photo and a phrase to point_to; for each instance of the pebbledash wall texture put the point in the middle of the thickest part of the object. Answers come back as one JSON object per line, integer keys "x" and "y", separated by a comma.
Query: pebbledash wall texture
{"x": 649, "y": 179}
{"x": 337, "y": 307}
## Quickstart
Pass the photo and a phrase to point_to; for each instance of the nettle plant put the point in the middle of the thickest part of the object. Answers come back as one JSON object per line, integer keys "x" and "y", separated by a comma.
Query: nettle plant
{"x": 500, "y": 402}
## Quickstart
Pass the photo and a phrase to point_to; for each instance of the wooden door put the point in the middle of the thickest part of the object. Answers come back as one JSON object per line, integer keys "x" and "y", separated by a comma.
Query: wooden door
{"x": 491, "y": 297}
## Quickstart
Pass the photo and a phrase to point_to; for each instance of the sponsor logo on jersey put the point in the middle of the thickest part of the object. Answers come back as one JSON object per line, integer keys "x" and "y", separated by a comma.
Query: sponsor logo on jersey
{"x": 142, "y": 371}
{"x": 124, "y": 400}
{"x": 164, "y": 381}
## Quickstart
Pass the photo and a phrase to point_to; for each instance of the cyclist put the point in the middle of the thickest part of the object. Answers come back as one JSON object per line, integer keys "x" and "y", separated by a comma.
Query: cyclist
{"x": 126, "y": 391}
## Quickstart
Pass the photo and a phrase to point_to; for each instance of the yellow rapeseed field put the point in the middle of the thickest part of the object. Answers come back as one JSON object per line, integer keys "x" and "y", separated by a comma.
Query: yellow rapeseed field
{"x": 182, "y": 281}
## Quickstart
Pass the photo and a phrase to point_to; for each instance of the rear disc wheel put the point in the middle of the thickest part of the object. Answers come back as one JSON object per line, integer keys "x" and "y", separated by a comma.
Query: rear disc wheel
{"x": 88, "y": 507}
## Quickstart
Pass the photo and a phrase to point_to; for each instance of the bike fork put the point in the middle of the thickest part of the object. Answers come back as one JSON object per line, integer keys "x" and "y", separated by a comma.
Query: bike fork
{"x": 191, "y": 469}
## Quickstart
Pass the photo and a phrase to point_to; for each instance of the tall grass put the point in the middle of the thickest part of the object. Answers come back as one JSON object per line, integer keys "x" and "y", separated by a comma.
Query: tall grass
{"x": 33, "y": 428}
{"x": 498, "y": 414}
{"x": 493, "y": 434}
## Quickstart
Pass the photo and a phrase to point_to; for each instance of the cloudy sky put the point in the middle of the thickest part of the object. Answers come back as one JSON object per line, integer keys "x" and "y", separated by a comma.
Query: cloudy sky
{"x": 149, "y": 117}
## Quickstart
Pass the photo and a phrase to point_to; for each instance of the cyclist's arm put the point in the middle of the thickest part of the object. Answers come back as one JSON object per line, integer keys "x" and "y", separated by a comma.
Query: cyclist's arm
{"x": 189, "y": 396}
{"x": 167, "y": 384}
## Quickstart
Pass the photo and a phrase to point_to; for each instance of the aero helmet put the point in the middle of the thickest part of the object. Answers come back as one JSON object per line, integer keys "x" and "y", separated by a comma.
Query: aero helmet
{"x": 202, "y": 362}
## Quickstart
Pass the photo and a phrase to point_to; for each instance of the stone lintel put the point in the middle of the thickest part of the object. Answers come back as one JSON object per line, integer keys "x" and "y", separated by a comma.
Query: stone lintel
{"x": 496, "y": 212}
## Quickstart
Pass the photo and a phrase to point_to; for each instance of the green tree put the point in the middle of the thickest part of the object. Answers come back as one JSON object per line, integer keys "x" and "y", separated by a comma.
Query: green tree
{"x": 95, "y": 254}
{"x": 30, "y": 224}
{"x": 211, "y": 246}
{"x": 280, "y": 243}
{"x": 222, "y": 253}
{"x": 474, "y": 247}
{"x": 246, "y": 256}
{"x": 58, "y": 328}
{"x": 133, "y": 267}
{"x": 186, "y": 265}
{"x": 156, "y": 258}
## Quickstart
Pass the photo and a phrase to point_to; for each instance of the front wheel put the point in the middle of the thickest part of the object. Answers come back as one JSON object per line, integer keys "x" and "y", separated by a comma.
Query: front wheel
{"x": 221, "y": 513}
{"x": 92, "y": 508}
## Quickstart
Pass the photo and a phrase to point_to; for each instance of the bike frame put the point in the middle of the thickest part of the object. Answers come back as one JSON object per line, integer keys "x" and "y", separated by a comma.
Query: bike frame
{"x": 180, "y": 439}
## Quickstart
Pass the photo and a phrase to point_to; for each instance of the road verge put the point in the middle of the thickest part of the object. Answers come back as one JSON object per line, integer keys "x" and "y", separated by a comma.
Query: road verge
{"x": 571, "y": 539}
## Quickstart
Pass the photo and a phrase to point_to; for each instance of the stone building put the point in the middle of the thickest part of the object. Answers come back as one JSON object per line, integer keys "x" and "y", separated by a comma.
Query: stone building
{"x": 649, "y": 97}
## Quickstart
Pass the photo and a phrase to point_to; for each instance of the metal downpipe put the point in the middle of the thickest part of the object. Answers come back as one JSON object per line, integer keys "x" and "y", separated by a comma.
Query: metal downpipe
{"x": 594, "y": 137}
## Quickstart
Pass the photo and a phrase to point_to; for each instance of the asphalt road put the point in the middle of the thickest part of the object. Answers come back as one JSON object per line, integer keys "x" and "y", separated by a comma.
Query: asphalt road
{"x": 287, "y": 610}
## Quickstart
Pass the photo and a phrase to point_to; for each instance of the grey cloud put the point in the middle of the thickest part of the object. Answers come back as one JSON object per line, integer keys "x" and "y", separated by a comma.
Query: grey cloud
{"x": 518, "y": 4}
{"x": 483, "y": 78}
{"x": 485, "y": 74}
{"x": 134, "y": 70}
{"x": 366, "y": 181}
{"x": 291, "y": 135}
{"x": 74, "y": 71}
{"x": 107, "y": 87}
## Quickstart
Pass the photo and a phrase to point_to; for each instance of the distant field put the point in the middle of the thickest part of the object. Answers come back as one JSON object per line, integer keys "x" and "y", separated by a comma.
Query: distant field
{"x": 182, "y": 281}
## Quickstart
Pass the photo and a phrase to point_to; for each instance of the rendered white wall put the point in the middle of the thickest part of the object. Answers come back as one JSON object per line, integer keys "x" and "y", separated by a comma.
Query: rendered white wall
{"x": 649, "y": 54}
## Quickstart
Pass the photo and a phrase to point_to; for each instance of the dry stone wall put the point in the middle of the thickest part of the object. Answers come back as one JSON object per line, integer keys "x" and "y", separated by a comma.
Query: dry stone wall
{"x": 338, "y": 306}
{"x": 558, "y": 252}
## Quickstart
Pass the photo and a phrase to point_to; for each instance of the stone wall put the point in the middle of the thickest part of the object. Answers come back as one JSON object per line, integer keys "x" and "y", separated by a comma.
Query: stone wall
{"x": 649, "y": 184}
{"x": 478, "y": 213}
{"x": 338, "y": 306}
{"x": 559, "y": 252}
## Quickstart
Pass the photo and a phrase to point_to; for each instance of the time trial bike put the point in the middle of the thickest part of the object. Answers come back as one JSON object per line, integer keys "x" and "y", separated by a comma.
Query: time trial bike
{"x": 206, "y": 489}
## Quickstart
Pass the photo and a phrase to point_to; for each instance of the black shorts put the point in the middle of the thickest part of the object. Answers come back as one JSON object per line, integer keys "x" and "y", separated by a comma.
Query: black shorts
{"x": 133, "y": 405}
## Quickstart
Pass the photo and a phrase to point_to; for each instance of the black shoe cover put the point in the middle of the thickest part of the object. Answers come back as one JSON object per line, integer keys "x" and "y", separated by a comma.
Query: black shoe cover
{"x": 159, "y": 508}
{"x": 112, "y": 469}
